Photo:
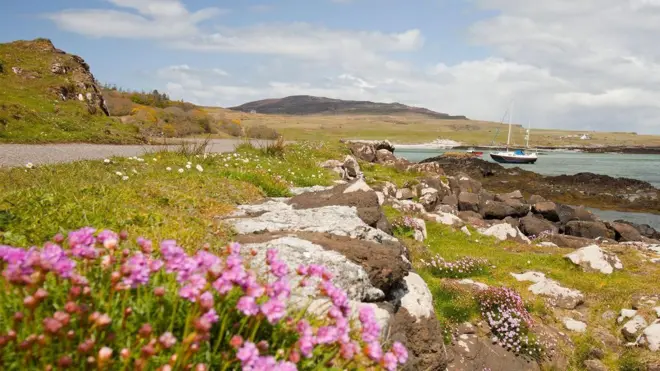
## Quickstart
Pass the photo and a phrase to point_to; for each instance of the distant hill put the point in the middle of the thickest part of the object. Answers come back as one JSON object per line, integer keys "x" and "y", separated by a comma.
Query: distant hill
{"x": 309, "y": 105}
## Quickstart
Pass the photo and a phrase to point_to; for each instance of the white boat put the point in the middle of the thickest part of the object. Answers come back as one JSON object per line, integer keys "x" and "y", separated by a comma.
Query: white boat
{"x": 517, "y": 156}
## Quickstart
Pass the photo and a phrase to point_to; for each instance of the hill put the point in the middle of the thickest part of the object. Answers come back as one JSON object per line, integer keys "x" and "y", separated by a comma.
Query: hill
{"x": 310, "y": 105}
{"x": 47, "y": 95}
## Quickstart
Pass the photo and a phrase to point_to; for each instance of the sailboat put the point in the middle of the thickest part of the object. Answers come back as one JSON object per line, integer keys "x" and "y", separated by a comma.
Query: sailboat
{"x": 514, "y": 157}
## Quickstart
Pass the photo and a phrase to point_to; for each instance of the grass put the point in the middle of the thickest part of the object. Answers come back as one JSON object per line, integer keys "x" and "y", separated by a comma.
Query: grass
{"x": 38, "y": 203}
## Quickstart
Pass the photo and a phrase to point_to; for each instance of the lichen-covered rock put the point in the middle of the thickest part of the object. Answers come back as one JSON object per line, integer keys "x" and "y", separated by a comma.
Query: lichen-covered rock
{"x": 295, "y": 252}
{"x": 515, "y": 195}
{"x": 445, "y": 218}
{"x": 625, "y": 314}
{"x": 352, "y": 167}
{"x": 505, "y": 232}
{"x": 558, "y": 295}
{"x": 633, "y": 327}
{"x": 574, "y": 325}
{"x": 593, "y": 258}
{"x": 651, "y": 337}
{"x": 404, "y": 194}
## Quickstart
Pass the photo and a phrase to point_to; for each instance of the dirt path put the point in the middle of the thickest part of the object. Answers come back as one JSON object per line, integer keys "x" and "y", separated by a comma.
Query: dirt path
{"x": 20, "y": 154}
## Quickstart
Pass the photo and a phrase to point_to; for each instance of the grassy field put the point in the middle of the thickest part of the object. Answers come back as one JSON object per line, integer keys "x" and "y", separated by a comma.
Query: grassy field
{"x": 421, "y": 129}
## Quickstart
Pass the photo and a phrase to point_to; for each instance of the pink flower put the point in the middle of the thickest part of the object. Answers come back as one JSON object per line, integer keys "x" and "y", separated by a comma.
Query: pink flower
{"x": 137, "y": 271}
{"x": 370, "y": 328}
{"x": 82, "y": 243}
{"x": 167, "y": 340}
{"x": 206, "y": 300}
{"x": 247, "y": 354}
{"x": 247, "y": 305}
{"x": 389, "y": 361}
{"x": 326, "y": 335}
{"x": 400, "y": 352}
{"x": 223, "y": 285}
{"x": 273, "y": 309}
{"x": 374, "y": 351}
{"x": 211, "y": 316}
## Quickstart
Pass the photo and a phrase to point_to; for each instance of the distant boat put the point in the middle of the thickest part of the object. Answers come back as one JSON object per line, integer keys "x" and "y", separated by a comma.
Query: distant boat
{"x": 514, "y": 157}
{"x": 474, "y": 153}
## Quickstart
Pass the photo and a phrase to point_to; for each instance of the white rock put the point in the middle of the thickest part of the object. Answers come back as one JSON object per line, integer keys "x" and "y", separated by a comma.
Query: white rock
{"x": 574, "y": 325}
{"x": 359, "y": 185}
{"x": 300, "y": 190}
{"x": 480, "y": 286}
{"x": 657, "y": 311}
{"x": 504, "y": 232}
{"x": 271, "y": 205}
{"x": 294, "y": 251}
{"x": 592, "y": 257}
{"x": 625, "y": 314}
{"x": 559, "y": 296}
{"x": 418, "y": 301}
{"x": 420, "y": 234}
{"x": 331, "y": 164}
{"x": 634, "y": 326}
{"x": 546, "y": 244}
{"x": 651, "y": 337}
{"x": 352, "y": 167}
{"x": 466, "y": 230}
{"x": 389, "y": 189}
{"x": 381, "y": 198}
{"x": 446, "y": 218}
{"x": 429, "y": 191}
{"x": 337, "y": 220}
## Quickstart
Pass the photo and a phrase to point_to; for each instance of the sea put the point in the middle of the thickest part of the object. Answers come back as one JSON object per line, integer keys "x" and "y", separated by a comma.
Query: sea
{"x": 642, "y": 167}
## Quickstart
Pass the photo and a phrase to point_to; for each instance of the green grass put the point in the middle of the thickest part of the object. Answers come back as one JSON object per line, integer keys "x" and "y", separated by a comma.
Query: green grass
{"x": 35, "y": 204}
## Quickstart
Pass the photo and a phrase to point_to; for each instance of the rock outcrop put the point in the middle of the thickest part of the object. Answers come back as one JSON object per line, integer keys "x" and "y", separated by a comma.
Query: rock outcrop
{"x": 593, "y": 258}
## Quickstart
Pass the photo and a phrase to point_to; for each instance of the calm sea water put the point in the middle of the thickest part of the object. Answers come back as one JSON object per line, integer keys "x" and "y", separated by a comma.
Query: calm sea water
{"x": 642, "y": 167}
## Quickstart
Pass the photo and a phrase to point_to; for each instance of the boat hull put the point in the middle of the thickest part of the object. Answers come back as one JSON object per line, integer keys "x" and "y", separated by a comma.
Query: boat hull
{"x": 513, "y": 159}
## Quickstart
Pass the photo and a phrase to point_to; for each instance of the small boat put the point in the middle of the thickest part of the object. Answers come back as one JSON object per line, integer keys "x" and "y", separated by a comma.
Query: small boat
{"x": 474, "y": 153}
{"x": 514, "y": 157}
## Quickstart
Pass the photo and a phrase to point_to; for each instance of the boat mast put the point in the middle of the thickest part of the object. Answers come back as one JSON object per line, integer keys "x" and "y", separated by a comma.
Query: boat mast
{"x": 508, "y": 139}
{"x": 529, "y": 126}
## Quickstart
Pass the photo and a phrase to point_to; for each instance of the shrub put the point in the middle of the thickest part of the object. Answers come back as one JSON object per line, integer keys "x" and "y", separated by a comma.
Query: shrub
{"x": 231, "y": 128}
{"x": 461, "y": 268}
{"x": 118, "y": 106}
{"x": 274, "y": 149}
{"x": 509, "y": 321}
{"x": 106, "y": 303}
{"x": 262, "y": 132}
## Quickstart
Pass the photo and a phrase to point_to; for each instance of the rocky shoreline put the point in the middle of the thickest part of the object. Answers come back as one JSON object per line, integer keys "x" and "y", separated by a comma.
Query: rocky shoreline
{"x": 637, "y": 150}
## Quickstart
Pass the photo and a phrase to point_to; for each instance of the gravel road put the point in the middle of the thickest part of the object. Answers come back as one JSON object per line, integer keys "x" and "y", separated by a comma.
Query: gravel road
{"x": 20, "y": 154}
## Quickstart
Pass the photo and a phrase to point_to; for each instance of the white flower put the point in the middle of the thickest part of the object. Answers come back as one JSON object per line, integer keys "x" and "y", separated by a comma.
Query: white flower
{"x": 188, "y": 166}
{"x": 199, "y": 168}
{"x": 107, "y": 160}
{"x": 125, "y": 177}
{"x": 188, "y": 163}
{"x": 119, "y": 173}
{"x": 226, "y": 165}
{"x": 155, "y": 159}
{"x": 168, "y": 168}
{"x": 135, "y": 171}
{"x": 140, "y": 159}
{"x": 29, "y": 165}
{"x": 181, "y": 170}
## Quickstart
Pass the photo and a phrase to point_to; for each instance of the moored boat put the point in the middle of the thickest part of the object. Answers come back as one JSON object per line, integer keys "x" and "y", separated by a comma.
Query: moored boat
{"x": 514, "y": 157}
{"x": 474, "y": 153}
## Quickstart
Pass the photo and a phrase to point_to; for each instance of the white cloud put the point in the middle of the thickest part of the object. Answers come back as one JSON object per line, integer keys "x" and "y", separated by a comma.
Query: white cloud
{"x": 576, "y": 64}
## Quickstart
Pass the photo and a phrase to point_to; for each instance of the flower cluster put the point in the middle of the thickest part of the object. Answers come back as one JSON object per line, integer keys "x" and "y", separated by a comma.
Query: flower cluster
{"x": 97, "y": 299}
{"x": 463, "y": 267}
{"x": 504, "y": 311}
{"x": 406, "y": 225}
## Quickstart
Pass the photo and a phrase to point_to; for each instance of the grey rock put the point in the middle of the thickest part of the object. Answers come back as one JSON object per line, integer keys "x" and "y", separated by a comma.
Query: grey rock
{"x": 558, "y": 295}
{"x": 547, "y": 209}
{"x": 533, "y": 226}
{"x": 594, "y": 365}
{"x": 468, "y": 202}
{"x": 593, "y": 258}
{"x": 588, "y": 229}
{"x": 633, "y": 327}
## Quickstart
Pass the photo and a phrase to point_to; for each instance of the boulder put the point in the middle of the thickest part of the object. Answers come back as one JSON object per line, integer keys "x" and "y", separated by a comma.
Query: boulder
{"x": 388, "y": 189}
{"x": 420, "y": 230}
{"x": 625, "y": 314}
{"x": 632, "y": 328}
{"x": 644, "y": 229}
{"x": 417, "y": 327}
{"x": 337, "y": 220}
{"x": 534, "y": 199}
{"x": 625, "y": 232}
{"x": 331, "y": 164}
{"x": 445, "y": 218}
{"x": 588, "y": 229}
{"x": 467, "y": 184}
{"x": 468, "y": 202}
{"x": 558, "y": 295}
{"x": 533, "y": 226}
{"x": 568, "y": 241}
{"x": 568, "y": 213}
{"x": 352, "y": 167}
{"x": 429, "y": 198}
{"x": 496, "y": 210}
{"x": 514, "y": 222}
{"x": 505, "y": 232}
{"x": 547, "y": 209}
{"x": 295, "y": 251}
{"x": 467, "y": 215}
{"x": 404, "y": 194}
{"x": 593, "y": 258}
{"x": 651, "y": 337}
{"x": 384, "y": 156}
{"x": 515, "y": 195}
{"x": 450, "y": 200}
{"x": 357, "y": 194}
{"x": 447, "y": 209}
{"x": 365, "y": 152}
{"x": 574, "y": 325}
{"x": 519, "y": 209}
{"x": 484, "y": 196}
{"x": 428, "y": 167}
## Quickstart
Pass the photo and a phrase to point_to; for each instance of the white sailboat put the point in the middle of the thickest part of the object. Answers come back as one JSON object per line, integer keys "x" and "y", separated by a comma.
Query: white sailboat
{"x": 514, "y": 157}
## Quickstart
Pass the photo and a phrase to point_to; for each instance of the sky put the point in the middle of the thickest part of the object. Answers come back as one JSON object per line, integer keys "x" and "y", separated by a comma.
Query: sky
{"x": 570, "y": 64}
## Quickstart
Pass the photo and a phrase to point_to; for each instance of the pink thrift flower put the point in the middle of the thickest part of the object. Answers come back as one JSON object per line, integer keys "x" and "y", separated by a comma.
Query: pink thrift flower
{"x": 247, "y": 305}
{"x": 400, "y": 352}
{"x": 374, "y": 351}
{"x": 206, "y": 300}
{"x": 167, "y": 340}
{"x": 247, "y": 354}
{"x": 211, "y": 316}
{"x": 389, "y": 361}
{"x": 274, "y": 310}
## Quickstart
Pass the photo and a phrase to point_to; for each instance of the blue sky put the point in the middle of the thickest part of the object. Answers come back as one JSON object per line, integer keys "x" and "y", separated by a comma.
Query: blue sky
{"x": 587, "y": 65}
